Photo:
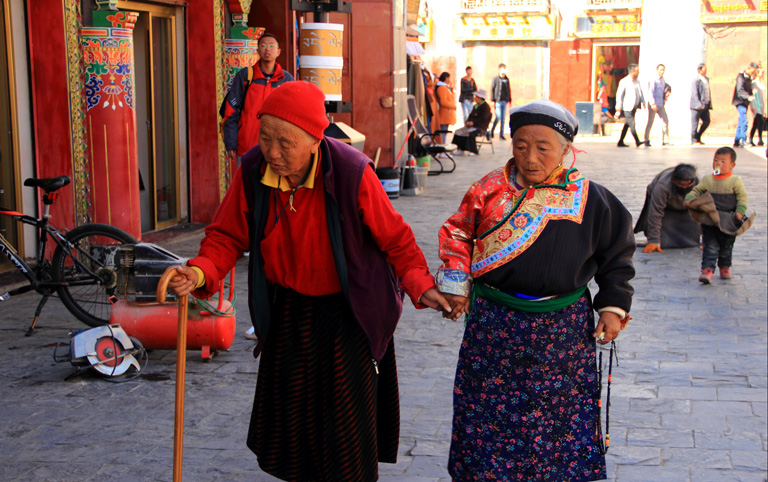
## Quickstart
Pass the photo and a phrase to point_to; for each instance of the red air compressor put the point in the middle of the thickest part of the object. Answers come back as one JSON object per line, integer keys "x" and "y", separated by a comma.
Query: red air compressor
{"x": 154, "y": 324}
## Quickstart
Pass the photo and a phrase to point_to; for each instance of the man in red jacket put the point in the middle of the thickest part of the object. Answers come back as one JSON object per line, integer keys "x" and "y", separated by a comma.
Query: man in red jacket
{"x": 241, "y": 123}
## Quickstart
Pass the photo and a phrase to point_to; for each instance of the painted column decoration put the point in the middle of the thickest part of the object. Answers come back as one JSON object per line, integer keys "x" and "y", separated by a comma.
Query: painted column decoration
{"x": 111, "y": 117}
{"x": 240, "y": 51}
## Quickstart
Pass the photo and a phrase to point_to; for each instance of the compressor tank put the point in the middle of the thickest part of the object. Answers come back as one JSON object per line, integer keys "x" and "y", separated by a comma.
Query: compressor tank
{"x": 155, "y": 325}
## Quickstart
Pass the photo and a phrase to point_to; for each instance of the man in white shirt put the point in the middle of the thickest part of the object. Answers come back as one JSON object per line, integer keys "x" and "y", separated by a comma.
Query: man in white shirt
{"x": 629, "y": 98}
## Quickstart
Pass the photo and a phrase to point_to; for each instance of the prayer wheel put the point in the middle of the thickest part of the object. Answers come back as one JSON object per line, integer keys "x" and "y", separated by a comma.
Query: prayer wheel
{"x": 320, "y": 46}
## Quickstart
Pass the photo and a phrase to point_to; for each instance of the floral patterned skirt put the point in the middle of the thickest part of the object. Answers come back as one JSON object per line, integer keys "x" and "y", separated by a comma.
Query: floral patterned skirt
{"x": 526, "y": 396}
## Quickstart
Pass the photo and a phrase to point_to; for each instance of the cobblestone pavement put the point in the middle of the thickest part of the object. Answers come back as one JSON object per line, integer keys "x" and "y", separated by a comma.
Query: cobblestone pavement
{"x": 688, "y": 399}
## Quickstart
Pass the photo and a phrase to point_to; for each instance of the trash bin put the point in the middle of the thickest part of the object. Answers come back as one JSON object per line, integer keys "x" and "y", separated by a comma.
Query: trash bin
{"x": 588, "y": 115}
{"x": 390, "y": 180}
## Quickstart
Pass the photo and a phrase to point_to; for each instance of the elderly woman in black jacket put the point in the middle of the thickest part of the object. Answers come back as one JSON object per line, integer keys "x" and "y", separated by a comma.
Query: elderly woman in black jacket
{"x": 476, "y": 124}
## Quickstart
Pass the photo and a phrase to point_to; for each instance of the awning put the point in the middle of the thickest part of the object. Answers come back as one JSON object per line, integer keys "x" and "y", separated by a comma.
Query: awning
{"x": 414, "y": 48}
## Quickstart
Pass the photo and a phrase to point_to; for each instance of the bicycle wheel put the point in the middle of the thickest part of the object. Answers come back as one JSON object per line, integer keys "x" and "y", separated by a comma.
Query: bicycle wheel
{"x": 97, "y": 247}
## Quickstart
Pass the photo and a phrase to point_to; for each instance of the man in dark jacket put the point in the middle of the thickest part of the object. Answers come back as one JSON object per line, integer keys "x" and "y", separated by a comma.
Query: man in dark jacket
{"x": 701, "y": 104}
{"x": 241, "y": 123}
{"x": 500, "y": 96}
{"x": 742, "y": 96}
{"x": 468, "y": 87}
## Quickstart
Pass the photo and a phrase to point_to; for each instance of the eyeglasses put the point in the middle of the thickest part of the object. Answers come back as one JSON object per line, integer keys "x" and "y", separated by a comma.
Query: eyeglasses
{"x": 267, "y": 46}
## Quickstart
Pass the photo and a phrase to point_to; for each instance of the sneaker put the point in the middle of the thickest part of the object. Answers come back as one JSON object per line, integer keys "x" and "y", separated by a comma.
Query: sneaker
{"x": 470, "y": 153}
{"x": 725, "y": 272}
{"x": 706, "y": 276}
{"x": 250, "y": 334}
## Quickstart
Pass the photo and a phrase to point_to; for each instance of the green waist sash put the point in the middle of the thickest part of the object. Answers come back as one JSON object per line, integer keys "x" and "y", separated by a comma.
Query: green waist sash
{"x": 520, "y": 304}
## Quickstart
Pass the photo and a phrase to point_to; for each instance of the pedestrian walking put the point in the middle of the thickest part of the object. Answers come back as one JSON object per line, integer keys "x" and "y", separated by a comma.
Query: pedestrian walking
{"x": 329, "y": 257}
{"x": 701, "y": 104}
{"x": 757, "y": 106}
{"x": 501, "y": 95}
{"x": 742, "y": 96}
{"x": 658, "y": 92}
{"x": 526, "y": 399}
{"x": 629, "y": 98}
{"x": 729, "y": 199}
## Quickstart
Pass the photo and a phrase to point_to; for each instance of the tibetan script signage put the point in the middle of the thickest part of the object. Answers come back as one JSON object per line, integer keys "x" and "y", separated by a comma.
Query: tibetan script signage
{"x": 504, "y": 28}
{"x": 733, "y": 11}
{"x": 607, "y": 26}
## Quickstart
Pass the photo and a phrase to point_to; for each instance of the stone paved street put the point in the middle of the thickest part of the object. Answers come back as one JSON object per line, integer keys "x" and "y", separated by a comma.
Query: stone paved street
{"x": 689, "y": 397}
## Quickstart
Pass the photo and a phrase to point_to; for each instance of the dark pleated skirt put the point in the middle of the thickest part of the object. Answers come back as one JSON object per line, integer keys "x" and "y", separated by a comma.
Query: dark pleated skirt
{"x": 466, "y": 143}
{"x": 321, "y": 412}
{"x": 526, "y": 396}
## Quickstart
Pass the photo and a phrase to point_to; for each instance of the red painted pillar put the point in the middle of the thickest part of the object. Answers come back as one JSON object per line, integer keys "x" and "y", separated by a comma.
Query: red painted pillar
{"x": 203, "y": 112}
{"x": 48, "y": 54}
{"x": 111, "y": 123}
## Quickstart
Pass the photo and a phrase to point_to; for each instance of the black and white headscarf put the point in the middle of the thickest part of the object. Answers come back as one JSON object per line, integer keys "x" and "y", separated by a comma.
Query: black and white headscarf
{"x": 546, "y": 113}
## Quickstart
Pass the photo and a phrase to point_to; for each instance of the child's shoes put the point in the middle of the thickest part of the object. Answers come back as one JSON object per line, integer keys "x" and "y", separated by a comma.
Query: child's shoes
{"x": 706, "y": 275}
{"x": 725, "y": 272}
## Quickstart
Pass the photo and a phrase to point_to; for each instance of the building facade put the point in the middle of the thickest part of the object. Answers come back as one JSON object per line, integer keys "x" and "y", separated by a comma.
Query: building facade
{"x": 123, "y": 97}
{"x": 563, "y": 50}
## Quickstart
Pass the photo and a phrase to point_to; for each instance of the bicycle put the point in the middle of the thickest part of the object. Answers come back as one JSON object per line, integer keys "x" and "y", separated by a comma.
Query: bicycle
{"x": 84, "y": 270}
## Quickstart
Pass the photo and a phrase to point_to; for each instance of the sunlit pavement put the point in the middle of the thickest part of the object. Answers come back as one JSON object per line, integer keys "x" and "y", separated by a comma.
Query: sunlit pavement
{"x": 688, "y": 397}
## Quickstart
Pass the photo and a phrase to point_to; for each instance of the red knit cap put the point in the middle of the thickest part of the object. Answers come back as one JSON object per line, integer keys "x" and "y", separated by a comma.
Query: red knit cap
{"x": 300, "y": 103}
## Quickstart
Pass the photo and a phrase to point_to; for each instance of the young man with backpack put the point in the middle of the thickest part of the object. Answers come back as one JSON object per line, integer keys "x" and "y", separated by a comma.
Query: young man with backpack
{"x": 250, "y": 87}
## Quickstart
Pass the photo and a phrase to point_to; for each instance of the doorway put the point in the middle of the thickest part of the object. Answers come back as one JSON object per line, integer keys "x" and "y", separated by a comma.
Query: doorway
{"x": 610, "y": 66}
{"x": 8, "y": 170}
{"x": 157, "y": 114}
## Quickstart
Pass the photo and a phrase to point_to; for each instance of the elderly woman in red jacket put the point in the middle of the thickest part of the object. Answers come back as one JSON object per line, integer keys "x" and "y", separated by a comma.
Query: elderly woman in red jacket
{"x": 329, "y": 258}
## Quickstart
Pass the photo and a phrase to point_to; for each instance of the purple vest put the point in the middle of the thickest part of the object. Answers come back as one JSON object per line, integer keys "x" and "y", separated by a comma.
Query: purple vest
{"x": 368, "y": 282}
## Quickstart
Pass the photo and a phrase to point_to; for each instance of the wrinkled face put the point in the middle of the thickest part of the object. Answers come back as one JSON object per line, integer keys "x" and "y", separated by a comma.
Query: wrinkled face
{"x": 724, "y": 163}
{"x": 269, "y": 49}
{"x": 537, "y": 152}
{"x": 660, "y": 70}
{"x": 288, "y": 149}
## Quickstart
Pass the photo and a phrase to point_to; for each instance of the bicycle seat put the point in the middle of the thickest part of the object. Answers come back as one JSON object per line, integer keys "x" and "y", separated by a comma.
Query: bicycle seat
{"x": 50, "y": 184}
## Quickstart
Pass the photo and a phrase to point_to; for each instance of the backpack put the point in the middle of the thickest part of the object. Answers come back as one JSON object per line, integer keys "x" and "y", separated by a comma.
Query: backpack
{"x": 223, "y": 106}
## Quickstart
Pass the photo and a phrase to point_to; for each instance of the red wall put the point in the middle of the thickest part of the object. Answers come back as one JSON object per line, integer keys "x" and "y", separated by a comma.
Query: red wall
{"x": 371, "y": 65}
{"x": 203, "y": 113}
{"x": 50, "y": 101}
{"x": 570, "y": 72}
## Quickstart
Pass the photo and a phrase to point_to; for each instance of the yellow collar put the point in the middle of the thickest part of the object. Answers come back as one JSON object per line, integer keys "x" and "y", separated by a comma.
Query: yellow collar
{"x": 272, "y": 179}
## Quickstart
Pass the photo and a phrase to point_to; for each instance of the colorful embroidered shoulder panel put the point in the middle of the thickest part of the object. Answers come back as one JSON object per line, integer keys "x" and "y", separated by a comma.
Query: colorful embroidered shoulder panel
{"x": 525, "y": 223}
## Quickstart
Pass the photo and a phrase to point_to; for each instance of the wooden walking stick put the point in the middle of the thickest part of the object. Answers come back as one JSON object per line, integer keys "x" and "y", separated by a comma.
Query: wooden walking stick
{"x": 181, "y": 362}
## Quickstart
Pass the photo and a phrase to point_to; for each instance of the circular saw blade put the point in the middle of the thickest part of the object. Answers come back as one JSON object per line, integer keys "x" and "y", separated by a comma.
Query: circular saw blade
{"x": 109, "y": 357}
